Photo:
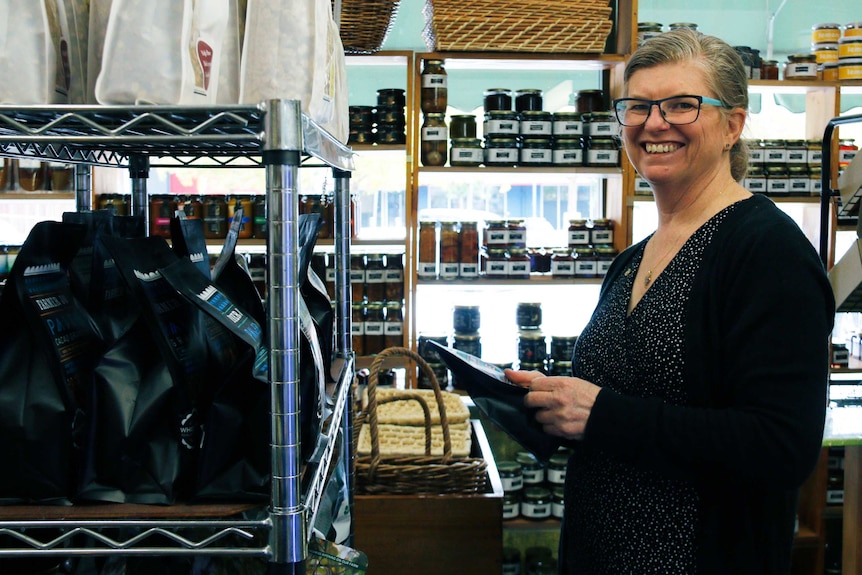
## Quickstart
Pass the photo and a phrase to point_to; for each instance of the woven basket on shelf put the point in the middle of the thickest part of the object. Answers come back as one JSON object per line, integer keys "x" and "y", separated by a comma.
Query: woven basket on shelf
{"x": 542, "y": 26}
{"x": 365, "y": 24}
{"x": 425, "y": 474}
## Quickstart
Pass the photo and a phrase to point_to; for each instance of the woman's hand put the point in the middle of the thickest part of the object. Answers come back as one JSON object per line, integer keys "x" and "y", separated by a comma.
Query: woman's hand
{"x": 562, "y": 404}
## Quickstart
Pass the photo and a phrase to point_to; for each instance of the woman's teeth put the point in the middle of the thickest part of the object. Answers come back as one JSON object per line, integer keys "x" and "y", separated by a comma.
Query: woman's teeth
{"x": 660, "y": 148}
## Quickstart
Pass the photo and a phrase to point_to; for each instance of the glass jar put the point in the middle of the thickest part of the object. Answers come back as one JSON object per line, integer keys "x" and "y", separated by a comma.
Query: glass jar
{"x": 246, "y": 204}
{"x": 435, "y": 139}
{"x": 468, "y": 251}
{"x": 586, "y": 265}
{"x": 462, "y": 126}
{"x": 191, "y": 207}
{"x": 429, "y": 352}
{"x": 679, "y": 25}
{"x": 540, "y": 260}
{"x": 532, "y": 469}
{"x": 776, "y": 180}
{"x": 427, "y": 265}
{"x": 511, "y": 510}
{"x": 563, "y": 347}
{"x": 357, "y": 277}
{"x": 497, "y": 99}
{"x": 393, "y": 327}
{"x": 375, "y": 341}
{"x": 536, "y": 152}
{"x": 801, "y": 67}
{"x": 501, "y": 151}
{"x": 5, "y": 173}
{"x": 357, "y": 327}
{"x": 601, "y": 125}
{"x": 535, "y": 123}
{"x": 814, "y": 179}
{"x": 394, "y": 277}
{"x": 259, "y": 228}
{"x": 395, "y": 97}
{"x": 605, "y": 255}
{"x": 433, "y": 92}
{"x": 531, "y": 346}
{"x": 588, "y": 101}
{"x": 798, "y": 183}
{"x": 825, "y": 32}
{"x": 602, "y": 232}
{"x": 497, "y": 264}
{"x": 815, "y": 152}
{"x": 567, "y": 152}
{"x": 647, "y": 30}
{"x": 579, "y": 233}
{"x": 796, "y": 152}
{"x": 468, "y": 343}
{"x": 516, "y": 235}
{"x": 558, "y": 501}
{"x": 755, "y": 180}
{"x": 536, "y": 503}
{"x": 562, "y": 368}
{"x": 389, "y": 115}
{"x": 602, "y": 153}
{"x": 510, "y": 475}
{"x": 162, "y": 208}
{"x": 566, "y": 124}
{"x": 215, "y": 217}
{"x": 375, "y": 287}
{"x": 769, "y": 70}
{"x": 62, "y": 176}
{"x": 774, "y": 152}
{"x": 528, "y": 100}
{"x": 497, "y": 235}
{"x": 519, "y": 264}
{"x": 562, "y": 264}
{"x": 466, "y": 152}
{"x": 501, "y": 123}
{"x": 511, "y": 559}
{"x": 557, "y": 465}
{"x": 528, "y": 315}
{"x": 31, "y": 174}
{"x": 466, "y": 318}
{"x": 449, "y": 250}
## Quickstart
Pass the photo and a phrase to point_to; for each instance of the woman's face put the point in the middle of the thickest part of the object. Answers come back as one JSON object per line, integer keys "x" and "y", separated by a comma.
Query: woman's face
{"x": 673, "y": 155}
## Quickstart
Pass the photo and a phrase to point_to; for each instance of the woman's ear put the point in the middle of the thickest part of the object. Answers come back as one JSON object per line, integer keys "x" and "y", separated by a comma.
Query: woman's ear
{"x": 735, "y": 123}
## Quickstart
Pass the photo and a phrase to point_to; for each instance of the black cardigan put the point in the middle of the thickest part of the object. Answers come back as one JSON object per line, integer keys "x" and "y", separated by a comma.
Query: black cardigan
{"x": 757, "y": 331}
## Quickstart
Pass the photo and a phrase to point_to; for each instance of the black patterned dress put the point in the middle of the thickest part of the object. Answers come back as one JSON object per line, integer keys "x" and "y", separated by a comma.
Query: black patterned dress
{"x": 622, "y": 520}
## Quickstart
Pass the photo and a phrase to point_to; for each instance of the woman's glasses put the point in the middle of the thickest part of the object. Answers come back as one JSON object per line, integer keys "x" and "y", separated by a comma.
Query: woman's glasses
{"x": 677, "y": 110}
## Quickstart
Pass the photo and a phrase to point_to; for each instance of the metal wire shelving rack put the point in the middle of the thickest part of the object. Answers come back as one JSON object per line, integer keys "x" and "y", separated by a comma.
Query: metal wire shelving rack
{"x": 276, "y": 136}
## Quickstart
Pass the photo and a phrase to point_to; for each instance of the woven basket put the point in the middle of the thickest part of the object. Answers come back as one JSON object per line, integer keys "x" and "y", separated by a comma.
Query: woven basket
{"x": 366, "y": 23}
{"x": 427, "y": 474}
{"x": 542, "y": 26}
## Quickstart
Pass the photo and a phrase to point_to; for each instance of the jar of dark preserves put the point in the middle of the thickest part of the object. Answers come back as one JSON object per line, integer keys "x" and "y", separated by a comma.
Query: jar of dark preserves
{"x": 536, "y": 123}
{"x": 193, "y": 208}
{"x": 394, "y": 277}
{"x": 602, "y": 231}
{"x": 602, "y": 152}
{"x": 497, "y": 99}
{"x": 536, "y": 503}
{"x": 435, "y": 140}
{"x": 393, "y": 326}
{"x": 536, "y": 151}
{"x": 468, "y": 252}
{"x": 567, "y": 151}
{"x": 567, "y": 124}
{"x": 798, "y": 183}
{"x": 466, "y": 318}
{"x": 374, "y": 327}
{"x": 391, "y": 97}
{"x": 434, "y": 95}
{"x": 462, "y": 126}
{"x": 586, "y": 265}
{"x": 510, "y": 475}
{"x": 516, "y": 235}
{"x": 563, "y": 347}
{"x": 259, "y": 228}
{"x": 247, "y": 206}
{"x": 528, "y": 100}
{"x": 501, "y": 151}
{"x": 449, "y": 250}
{"x": 215, "y": 217}
{"x": 468, "y": 343}
{"x": 357, "y": 277}
{"x": 531, "y": 346}
{"x": 562, "y": 264}
{"x": 769, "y": 70}
{"x": 588, "y": 101}
{"x": 466, "y": 152}
{"x": 427, "y": 266}
{"x": 528, "y": 315}
{"x": 600, "y": 125}
{"x": 501, "y": 123}
{"x": 497, "y": 264}
{"x": 604, "y": 256}
{"x": 579, "y": 233}
{"x": 357, "y": 327}
{"x": 777, "y": 182}
{"x": 519, "y": 264}
{"x": 532, "y": 469}
{"x": 375, "y": 288}
{"x": 557, "y": 468}
{"x": 497, "y": 235}
{"x": 162, "y": 209}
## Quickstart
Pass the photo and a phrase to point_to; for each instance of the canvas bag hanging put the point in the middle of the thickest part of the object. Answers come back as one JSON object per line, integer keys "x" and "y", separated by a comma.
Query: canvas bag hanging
{"x": 27, "y": 54}
{"x": 162, "y": 52}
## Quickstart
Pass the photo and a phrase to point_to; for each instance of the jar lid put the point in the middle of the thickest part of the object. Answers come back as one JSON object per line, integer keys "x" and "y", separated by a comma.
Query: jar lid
{"x": 564, "y": 337}
{"x": 829, "y": 46}
{"x": 559, "y": 459}
{"x": 497, "y": 92}
{"x": 393, "y": 305}
{"x": 649, "y": 25}
{"x": 528, "y": 92}
{"x": 852, "y": 25}
{"x": 434, "y": 61}
{"x": 508, "y": 467}
{"x": 531, "y": 334}
{"x": 801, "y": 58}
{"x": 463, "y": 116}
{"x": 599, "y": 116}
{"x": 535, "y": 114}
{"x": 677, "y": 25}
{"x": 435, "y": 115}
{"x": 466, "y": 336}
{"x": 395, "y": 91}
{"x": 526, "y": 457}
{"x": 567, "y": 115}
{"x": 466, "y": 142}
{"x": 536, "y": 493}
{"x": 826, "y": 26}
{"x": 606, "y": 250}
{"x": 769, "y": 62}
{"x": 502, "y": 114}
{"x": 590, "y": 92}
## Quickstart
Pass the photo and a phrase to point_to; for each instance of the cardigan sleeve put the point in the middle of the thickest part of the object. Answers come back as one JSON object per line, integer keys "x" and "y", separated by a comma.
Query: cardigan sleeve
{"x": 757, "y": 343}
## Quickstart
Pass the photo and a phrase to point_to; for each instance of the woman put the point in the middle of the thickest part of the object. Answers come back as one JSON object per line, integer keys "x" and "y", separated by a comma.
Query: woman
{"x": 699, "y": 391}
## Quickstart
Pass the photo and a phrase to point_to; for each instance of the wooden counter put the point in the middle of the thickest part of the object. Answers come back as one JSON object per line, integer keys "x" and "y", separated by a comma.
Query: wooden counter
{"x": 434, "y": 534}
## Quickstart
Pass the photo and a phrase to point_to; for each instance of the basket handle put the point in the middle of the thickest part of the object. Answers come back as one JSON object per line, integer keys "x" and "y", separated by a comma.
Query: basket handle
{"x": 372, "y": 403}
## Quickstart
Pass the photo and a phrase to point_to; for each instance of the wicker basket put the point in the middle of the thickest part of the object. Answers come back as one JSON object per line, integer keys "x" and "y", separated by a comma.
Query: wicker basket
{"x": 366, "y": 23}
{"x": 541, "y": 26}
{"x": 427, "y": 474}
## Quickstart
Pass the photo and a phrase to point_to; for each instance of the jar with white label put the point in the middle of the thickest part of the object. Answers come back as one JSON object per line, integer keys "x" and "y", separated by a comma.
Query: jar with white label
{"x": 535, "y": 123}
{"x": 642, "y": 187}
{"x": 815, "y": 180}
{"x": 774, "y": 152}
{"x": 497, "y": 235}
{"x": 756, "y": 154}
{"x": 557, "y": 468}
{"x": 777, "y": 181}
{"x": 393, "y": 326}
{"x": 558, "y": 501}
{"x": 466, "y": 152}
{"x": 511, "y": 561}
{"x": 501, "y": 151}
{"x": 435, "y": 140}
{"x": 510, "y": 475}
{"x": 602, "y": 153}
{"x": 536, "y": 503}
{"x": 531, "y": 468}
{"x": 801, "y": 67}
{"x": 602, "y": 232}
{"x": 798, "y": 181}
{"x": 586, "y": 264}
{"x": 501, "y": 123}
{"x": 562, "y": 264}
{"x": 601, "y": 125}
{"x": 519, "y": 264}
{"x": 567, "y": 151}
{"x": 579, "y": 233}
{"x": 796, "y": 152}
{"x": 434, "y": 88}
{"x": 755, "y": 180}
{"x": 567, "y": 124}
{"x": 536, "y": 151}
{"x": 516, "y": 234}
{"x": 511, "y": 504}
{"x": 497, "y": 264}
{"x": 815, "y": 152}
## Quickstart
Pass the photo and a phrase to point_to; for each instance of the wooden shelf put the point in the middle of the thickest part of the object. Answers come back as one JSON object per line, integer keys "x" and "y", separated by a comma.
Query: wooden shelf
{"x": 39, "y": 195}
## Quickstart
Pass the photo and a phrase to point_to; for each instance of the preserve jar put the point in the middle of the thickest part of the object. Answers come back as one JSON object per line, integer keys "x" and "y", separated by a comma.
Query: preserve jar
{"x": 497, "y": 99}
{"x": 755, "y": 180}
{"x": 825, "y": 32}
{"x": 826, "y": 53}
{"x": 562, "y": 368}
{"x": 647, "y": 30}
{"x": 536, "y": 503}
{"x": 796, "y": 152}
{"x": 259, "y": 226}
{"x": 427, "y": 265}
{"x": 774, "y": 152}
{"x": 567, "y": 152}
{"x": 449, "y": 250}
{"x": 801, "y": 67}
{"x": 586, "y": 265}
{"x": 391, "y": 97}
{"x": 434, "y": 95}
{"x": 516, "y": 236}
{"x": 427, "y": 351}
{"x": 562, "y": 264}
{"x": 31, "y": 174}
{"x": 588, "y": 101}
{"x": 535, "y": 123}
{"x": 680, "y": 25}
{"x": 466, "y": 318}
{"x": 756, "y": 152}
{"x": 510, "y": 475}
{"x": 540, "y": 260}
{"x": 62, "y": 176}
{"x": 815, "y": 182}
{"x": 829, "y": 72}
{"x": 435, "y": 140}
{"x": 501, "y": 151}
{"x": 777, "y": 180}
{"x": 519, "y": 264}
{"x": 511, "y": 510}
{"x": 215, "y": 217}
{"x": 374, "y": 319}
{"x": 853, "y": 30}
{"x": 557, "y": 468}
{"x": 466, "y": 152}
{"x": 511, "y": 559}
{"x": 531, "y": 346}
{"x": 602, "y": 152}
{"x": 497, "y": 264}
{"x": 468, "y": 252}
{"x": 501, "y": 123}
{"x": 528, "y": 315}
{"x": 462, "y": 126}
{"x": 468, "y": 343}
{"x": 579, "y": 233}
{"x": 497, "y": 235}
{"x": 769, "y": 70}
{"x": 798, "y": 183}
{"x": 375, "y": 288}
{"x": 600, "y": 125}
{"x": 390, "y": 134}
{"x": 567, "y": 124}
{"x": 528, "y": 100}
{"x": 162, "y": 209}
{"x": 532, "y": 469}
{"x": 563, "y": 347}
{"x": 394, "y": 277}
{"x": 604, "y": 257}
{"x": 602, "y": 231}
{"x": 558, "y": 501}
{"x": 536, "y": 151}
{"x": 393, "y": 326}
{"x": 246, "y": 203}
{"x": 357, "y": 277}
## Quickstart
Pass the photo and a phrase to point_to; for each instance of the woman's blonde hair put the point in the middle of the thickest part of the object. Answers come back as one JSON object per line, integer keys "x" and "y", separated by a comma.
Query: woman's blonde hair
{"x": 725, "y": 73}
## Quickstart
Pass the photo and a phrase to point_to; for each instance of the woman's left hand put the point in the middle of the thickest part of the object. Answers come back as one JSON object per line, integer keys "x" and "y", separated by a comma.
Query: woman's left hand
{"x": 562, "y": 404}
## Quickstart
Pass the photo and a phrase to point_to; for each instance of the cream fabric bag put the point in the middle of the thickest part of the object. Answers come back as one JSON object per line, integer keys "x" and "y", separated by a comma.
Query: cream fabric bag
{"x": 28, "y": 59}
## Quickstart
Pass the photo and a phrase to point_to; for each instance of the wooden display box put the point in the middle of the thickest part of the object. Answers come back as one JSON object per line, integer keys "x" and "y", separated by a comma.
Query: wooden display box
{"x": 434, "y": 534}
